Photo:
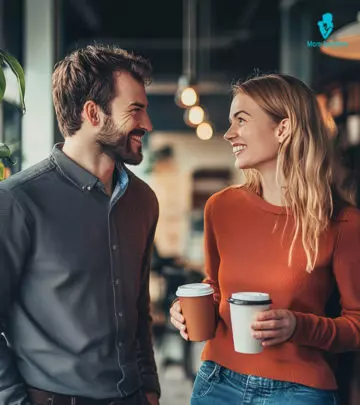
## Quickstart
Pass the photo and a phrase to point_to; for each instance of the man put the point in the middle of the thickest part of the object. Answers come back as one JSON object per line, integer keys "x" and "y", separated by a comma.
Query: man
{"x": 75, "y": 243}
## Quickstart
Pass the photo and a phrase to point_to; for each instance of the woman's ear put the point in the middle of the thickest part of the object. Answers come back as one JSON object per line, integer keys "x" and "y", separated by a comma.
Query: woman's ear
{"x": 283, "y": 130}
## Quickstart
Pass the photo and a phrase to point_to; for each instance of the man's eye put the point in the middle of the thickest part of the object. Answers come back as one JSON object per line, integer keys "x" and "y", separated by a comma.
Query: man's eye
{"x": 135, "y": 110}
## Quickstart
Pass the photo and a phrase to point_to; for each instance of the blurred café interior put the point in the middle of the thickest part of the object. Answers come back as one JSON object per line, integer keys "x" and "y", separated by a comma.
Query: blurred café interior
{"x": 198, "y": 48}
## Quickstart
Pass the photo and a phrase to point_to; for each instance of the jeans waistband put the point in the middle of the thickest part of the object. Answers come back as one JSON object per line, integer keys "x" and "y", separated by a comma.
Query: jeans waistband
{"x": 244, "y": 379}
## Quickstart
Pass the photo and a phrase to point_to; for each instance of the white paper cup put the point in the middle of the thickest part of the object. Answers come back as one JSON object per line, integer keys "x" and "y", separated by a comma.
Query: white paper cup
{"x": 243, "y": 309}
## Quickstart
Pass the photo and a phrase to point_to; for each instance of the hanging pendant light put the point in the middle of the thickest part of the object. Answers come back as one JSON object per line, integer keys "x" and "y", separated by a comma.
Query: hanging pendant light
{"x": 345, "y": 42}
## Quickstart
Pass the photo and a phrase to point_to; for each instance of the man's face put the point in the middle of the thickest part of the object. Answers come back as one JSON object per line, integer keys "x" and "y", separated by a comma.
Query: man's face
{"x": 121, "y": 134}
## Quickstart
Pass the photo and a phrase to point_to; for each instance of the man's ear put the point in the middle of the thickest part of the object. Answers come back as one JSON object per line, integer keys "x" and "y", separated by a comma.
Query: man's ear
{"x": 92, "y": 113}
{"x": 283, "y": 130}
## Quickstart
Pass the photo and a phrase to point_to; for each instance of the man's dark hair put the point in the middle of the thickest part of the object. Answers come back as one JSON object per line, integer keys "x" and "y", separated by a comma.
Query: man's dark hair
{"x": 88, "y": 74}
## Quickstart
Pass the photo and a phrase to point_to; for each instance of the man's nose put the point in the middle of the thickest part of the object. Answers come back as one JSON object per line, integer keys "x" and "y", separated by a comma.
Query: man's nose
{"x": 146, "y": 124}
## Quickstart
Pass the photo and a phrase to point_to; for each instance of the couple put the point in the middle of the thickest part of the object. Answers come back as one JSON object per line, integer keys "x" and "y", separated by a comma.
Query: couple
{"x": 76, "y": 234}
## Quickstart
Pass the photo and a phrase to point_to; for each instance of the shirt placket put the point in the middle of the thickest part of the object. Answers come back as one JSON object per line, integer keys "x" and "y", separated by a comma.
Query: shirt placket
{"x": 118, "y": 286}
{"x": 118, "y": 292}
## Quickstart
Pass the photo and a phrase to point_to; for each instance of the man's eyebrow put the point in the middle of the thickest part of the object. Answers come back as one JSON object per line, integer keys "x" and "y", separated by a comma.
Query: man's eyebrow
{"x": 137, "y": 104}
{"x": 237, "y": 113}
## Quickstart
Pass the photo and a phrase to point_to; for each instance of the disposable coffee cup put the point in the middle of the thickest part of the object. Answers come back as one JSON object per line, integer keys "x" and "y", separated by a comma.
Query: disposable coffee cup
{"x": 198, "y": 309}
{"x": 244, "y": 306}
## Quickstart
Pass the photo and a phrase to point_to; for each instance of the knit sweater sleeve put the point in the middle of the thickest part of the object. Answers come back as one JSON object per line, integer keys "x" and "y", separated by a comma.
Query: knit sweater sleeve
{"x": 343, "y": 333}
{"x": 212, "y": 257}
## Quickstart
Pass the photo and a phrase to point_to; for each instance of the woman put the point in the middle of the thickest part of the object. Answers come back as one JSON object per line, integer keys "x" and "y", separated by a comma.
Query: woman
{"x": 285, "y": 232}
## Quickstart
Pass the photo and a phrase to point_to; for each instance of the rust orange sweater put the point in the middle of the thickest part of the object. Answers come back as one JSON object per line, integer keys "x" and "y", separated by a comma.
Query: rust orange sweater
{"x": 245, "y": 251}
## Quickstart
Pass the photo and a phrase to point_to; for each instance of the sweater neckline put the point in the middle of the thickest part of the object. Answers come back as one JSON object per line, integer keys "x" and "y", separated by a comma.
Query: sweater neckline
{"x": 264, "y": 205}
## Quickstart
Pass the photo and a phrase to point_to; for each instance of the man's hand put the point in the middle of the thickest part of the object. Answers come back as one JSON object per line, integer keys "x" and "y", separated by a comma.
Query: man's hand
{"x": 152, "y": 398}
{"x": 274, "y": 326}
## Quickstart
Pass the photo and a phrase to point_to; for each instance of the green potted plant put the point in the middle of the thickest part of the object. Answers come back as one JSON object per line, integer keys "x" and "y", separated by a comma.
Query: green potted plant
{"x": 14, "y": 65}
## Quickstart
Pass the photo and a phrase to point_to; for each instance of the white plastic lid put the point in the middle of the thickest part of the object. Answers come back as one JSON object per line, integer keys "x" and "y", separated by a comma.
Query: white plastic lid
{"x": 194, "y": 290}
{"x": 248, "y": 298}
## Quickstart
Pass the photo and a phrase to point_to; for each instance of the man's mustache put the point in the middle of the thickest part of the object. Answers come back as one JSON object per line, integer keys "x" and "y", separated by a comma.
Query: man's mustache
{"x": 139, "y": 132}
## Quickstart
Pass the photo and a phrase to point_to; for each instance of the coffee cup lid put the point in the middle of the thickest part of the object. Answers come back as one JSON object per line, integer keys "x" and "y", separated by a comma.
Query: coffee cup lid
{"x": 250, "y": 298}
{"x": 194, "y": 290}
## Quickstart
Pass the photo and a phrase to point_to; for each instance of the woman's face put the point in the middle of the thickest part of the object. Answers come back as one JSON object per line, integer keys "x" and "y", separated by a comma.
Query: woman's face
{"x": 252, "y": 134}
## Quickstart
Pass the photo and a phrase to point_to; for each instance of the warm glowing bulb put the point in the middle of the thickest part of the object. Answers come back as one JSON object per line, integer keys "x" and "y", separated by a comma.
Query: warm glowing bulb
{"x": 188, "y": 96}
{"x": 204, "y": 131}
{"x": 196, "y": 115}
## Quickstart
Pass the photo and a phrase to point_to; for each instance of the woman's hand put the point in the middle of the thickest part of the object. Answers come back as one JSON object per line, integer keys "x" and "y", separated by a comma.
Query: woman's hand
{"x": 178, "y": 320}
{"x": 274, "y": 326}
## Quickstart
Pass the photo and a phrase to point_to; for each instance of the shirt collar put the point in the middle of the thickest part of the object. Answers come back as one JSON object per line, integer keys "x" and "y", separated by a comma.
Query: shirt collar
{"x": 79, "y": 176}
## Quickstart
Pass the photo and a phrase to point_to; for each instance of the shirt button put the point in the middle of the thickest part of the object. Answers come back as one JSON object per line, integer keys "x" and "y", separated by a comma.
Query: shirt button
{"x": 114, "y": 247}
{"x": 116, "y": 282}
{"x": 120, "y": 314}
{"x": 120, "y": 344}
{"x": 88, "y": 188}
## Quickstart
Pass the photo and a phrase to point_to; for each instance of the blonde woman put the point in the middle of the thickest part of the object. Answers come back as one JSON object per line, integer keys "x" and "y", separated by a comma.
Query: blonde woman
{"x": 285, "y": 232}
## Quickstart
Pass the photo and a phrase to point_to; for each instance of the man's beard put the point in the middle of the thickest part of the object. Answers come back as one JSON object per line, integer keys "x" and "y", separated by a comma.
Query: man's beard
{"x": 115, "y": 143}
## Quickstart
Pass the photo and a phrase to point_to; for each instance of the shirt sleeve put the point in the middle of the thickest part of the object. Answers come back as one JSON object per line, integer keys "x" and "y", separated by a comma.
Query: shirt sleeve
{"x": 145, "y": 352}
{"x": 14, "y": 246}
{"x": 211, "y": 253}
{"x": 341, "y": 334}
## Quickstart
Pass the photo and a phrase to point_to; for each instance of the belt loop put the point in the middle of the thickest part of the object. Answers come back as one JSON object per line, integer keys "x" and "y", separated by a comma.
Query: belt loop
{"x": 217, "y": 371}
{"x": 215, "y": 374}
{"x": 73, "y": 400}
{"x": 50, "y": 400}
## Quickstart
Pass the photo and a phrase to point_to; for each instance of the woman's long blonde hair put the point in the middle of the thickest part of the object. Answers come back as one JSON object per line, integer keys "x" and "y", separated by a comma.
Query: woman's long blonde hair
{"x": 305, "y": 157}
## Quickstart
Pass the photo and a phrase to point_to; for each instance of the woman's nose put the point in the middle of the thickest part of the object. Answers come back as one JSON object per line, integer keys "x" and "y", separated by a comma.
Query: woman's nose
{"x": 229, "y": 134}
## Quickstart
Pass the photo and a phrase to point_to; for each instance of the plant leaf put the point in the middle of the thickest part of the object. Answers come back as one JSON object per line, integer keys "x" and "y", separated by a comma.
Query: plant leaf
{"x": 5, "y": 152}
{"x": 2, "y": 171}
{"x": 2, "y": 83}
{"x": 19, "y": 73}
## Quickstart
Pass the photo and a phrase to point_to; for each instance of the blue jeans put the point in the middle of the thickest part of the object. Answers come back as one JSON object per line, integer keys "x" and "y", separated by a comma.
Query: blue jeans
{"x": 216, "y": 385}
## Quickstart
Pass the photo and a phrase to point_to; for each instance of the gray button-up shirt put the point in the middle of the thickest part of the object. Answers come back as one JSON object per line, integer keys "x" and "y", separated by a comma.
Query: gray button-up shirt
{"x": 74, "y": 272}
